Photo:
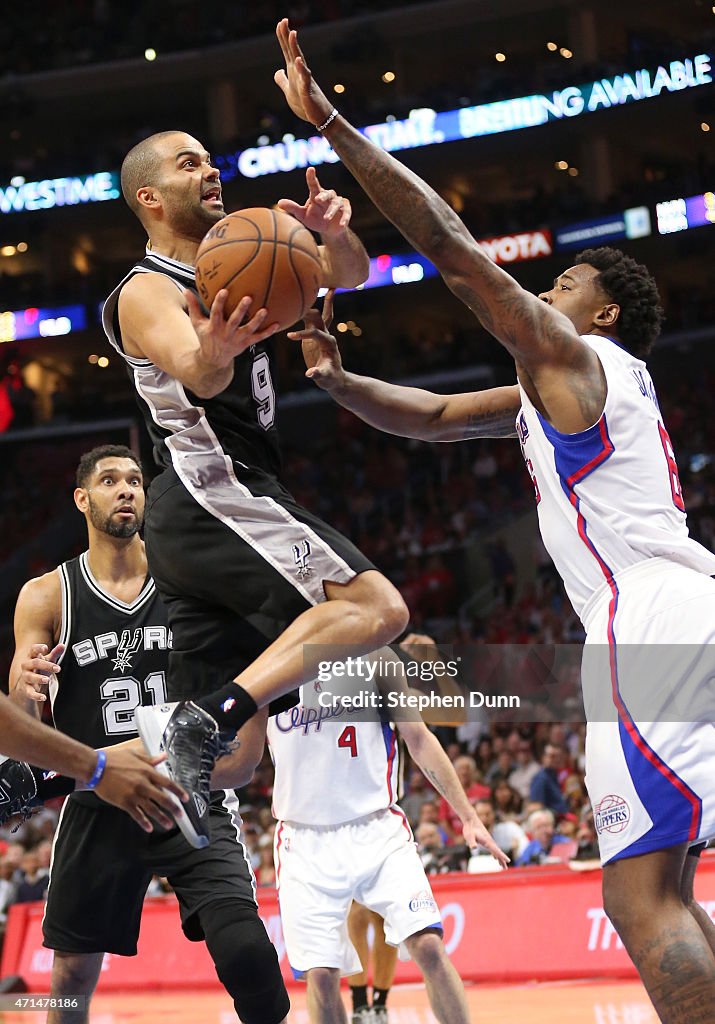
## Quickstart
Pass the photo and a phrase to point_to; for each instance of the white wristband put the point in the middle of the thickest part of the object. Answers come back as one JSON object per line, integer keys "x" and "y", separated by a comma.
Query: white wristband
{"x": 329, "y": 120}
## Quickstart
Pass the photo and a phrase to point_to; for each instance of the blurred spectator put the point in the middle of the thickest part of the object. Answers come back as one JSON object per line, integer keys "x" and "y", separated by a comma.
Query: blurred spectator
{"x": 568, "y": 826}
{"x": 540, "y": 826}
{"x": 429, "y": 845}
{"x": 36, "y": 877}
{"x": 429, "y": 815}
{"x": 526, "y": 768}
{"x": 508, "y": 835}
{"x": 417, "y": 793}
{"x": 501, "y": 769}
{"x": 545, "y": 784}
{"x": 266, "y": 873}
{"x": 10, "y": 877}
{"x": 507, "y": 801}
{"x": 436, "y": 858}
{"x": 587, "y": 839}
{"x": 251, "y": 838}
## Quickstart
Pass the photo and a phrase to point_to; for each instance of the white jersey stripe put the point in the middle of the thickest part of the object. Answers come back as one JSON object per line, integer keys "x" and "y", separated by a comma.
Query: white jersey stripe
{"x": 146, "y": 594}
{"x": 230, "y": 802}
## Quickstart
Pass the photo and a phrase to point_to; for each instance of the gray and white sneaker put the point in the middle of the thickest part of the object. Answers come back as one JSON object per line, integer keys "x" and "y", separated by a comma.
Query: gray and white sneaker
{"x": 362, "y": 1016}
{"x": 189, "y": 737}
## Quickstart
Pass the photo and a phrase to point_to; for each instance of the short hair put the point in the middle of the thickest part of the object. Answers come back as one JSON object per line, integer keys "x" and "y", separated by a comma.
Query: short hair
{"x": 633, "y": 288}
{"x": 546, "y": 812}
{"x": 140, "y": 167}
{"x": 88, "y": 462}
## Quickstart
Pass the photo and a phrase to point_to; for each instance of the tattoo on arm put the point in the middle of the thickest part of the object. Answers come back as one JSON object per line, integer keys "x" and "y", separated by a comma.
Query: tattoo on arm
{"x": 489, "y": 424}
{"x": 434, "y": 779}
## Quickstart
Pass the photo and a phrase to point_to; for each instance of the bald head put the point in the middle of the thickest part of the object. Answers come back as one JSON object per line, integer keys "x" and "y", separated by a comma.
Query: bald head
{"x": 142, "y": 166}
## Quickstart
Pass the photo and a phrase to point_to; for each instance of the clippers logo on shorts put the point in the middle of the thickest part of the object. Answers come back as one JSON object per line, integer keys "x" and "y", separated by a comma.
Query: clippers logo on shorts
{"x": 422, "y": 901}
{"x": 612, "y": 814}
{"x": 301, "y": 554}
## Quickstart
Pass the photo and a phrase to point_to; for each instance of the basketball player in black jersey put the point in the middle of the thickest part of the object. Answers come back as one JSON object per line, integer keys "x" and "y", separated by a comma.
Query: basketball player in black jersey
{"x": 248, "y": 576}
{"x": 97, "y": 627}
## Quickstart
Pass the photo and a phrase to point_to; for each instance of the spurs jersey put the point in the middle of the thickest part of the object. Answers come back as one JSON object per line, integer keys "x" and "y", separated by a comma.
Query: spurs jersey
{"x": 206, "y": 440}
{"x": 115, "y": 657}
{"x": 330, "y": 767}
{"x": 609, "y": 496}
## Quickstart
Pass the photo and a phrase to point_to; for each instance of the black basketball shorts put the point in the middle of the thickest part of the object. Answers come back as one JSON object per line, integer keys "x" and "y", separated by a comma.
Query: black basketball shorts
{"x": 102, "y": 864}
{"x": 236, "y": 562}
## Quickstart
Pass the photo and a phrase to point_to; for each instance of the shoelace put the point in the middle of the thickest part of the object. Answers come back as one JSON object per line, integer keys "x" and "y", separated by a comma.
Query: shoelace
{"x": 212, "y": 747}
{"x": 20, "y": 806}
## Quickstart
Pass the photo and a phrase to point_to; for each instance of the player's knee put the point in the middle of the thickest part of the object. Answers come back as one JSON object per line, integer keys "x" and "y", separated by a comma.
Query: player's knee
{"x": 75, "y": 973}
{"x": 246, "y": 961}
{"x": 325, "y": 983}
{"x": 427, "y": 950}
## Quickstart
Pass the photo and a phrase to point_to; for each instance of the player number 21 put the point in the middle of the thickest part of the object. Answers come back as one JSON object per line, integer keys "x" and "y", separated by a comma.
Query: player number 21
{"x": 123, "y": 695}
{"x": 347, "y": 738}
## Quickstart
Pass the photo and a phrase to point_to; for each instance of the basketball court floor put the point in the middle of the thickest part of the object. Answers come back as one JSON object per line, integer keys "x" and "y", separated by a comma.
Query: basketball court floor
{"x": 583, "y": 1002}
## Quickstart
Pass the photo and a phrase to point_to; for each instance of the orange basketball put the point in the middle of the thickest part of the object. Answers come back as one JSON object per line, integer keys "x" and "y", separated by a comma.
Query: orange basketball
{"x": 266, "y": 254}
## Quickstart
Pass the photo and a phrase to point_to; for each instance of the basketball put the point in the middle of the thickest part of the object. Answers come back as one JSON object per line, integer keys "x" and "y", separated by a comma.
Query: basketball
{"x": 266, "y": 254}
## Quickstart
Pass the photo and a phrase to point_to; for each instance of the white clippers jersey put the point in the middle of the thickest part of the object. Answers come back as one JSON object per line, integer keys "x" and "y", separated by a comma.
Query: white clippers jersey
{"x": 329, "y": 767}
{"x": 609, "y": 496}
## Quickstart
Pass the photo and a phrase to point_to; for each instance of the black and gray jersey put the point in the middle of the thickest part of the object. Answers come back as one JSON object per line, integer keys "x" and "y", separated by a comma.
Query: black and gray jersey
{"x": 116, "y": 657}
{"x": 207, "y": 441}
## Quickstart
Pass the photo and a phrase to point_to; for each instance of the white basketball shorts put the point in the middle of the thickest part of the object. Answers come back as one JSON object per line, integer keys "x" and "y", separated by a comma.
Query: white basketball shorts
{"x": 320, "y": 871}
{"x": 649, "y": 692}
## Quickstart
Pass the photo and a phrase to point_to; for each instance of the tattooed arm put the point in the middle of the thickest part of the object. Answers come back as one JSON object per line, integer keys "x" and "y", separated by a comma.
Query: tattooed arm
{"x": 561, "y": 375}
{"x": 437, "y": 768}
{"x": 408, "y": 412}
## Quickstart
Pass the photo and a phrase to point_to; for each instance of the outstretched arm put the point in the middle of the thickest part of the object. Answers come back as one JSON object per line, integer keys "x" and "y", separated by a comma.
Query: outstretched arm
{"x": 542, "y": 340}
{"x": 427, "y": 753}
{"x": 407, "y": 412}
{"x": 129, "y": 780}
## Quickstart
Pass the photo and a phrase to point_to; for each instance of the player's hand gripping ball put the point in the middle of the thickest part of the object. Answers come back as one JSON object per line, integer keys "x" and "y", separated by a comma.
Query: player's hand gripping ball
{"x": 266, "y": 254}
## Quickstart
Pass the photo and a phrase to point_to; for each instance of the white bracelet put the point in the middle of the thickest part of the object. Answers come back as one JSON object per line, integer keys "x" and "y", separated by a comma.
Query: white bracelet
{"x": 331, "y": 117}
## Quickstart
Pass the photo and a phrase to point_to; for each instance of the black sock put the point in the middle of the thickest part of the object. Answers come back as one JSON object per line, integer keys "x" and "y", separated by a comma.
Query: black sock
{"x": 50, "y": 787}
{"x": 379, "y": 996}
{"x": 359, "y": 994}
{"x": 231, "y": 706}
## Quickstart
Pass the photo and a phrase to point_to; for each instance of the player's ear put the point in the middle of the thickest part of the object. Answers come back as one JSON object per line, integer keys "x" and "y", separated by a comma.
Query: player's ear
{"x": 147, "y": 196}
{"x": 81, "y": 499}
{"x": 608, "y": 315}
